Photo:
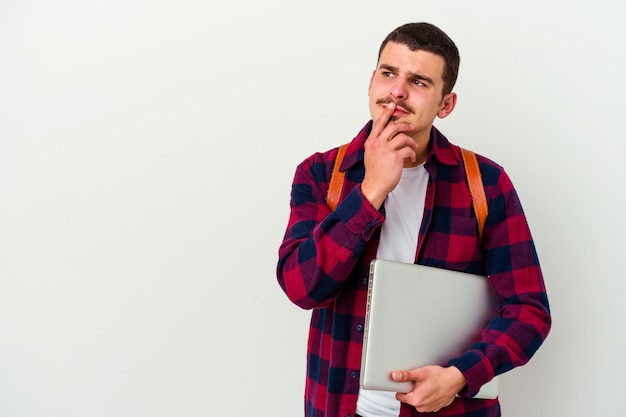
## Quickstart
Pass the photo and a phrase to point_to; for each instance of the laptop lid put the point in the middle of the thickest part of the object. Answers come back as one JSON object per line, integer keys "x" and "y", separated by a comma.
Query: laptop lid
{"x": 420, "y": 315}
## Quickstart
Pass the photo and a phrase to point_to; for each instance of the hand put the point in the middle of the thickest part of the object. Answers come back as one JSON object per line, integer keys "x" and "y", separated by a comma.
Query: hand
{"x": 386, "y": 149}
{"x": 435, "y": 387}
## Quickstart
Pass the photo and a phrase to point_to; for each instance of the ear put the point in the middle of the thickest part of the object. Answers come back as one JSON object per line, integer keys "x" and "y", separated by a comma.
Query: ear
{"x": 447, "y": 105}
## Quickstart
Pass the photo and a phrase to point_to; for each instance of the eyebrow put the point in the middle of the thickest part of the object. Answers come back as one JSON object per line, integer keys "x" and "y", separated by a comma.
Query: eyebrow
{"x": 412, "y": 75}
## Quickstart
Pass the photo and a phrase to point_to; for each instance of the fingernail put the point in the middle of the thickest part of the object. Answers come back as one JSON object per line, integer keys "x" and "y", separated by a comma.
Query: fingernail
{"x": 390, "y": 105}
{"x": 396, "y": 375}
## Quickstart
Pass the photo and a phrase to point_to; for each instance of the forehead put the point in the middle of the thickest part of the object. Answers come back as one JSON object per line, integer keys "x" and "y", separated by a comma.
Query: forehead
{"x": 405, "y": 60}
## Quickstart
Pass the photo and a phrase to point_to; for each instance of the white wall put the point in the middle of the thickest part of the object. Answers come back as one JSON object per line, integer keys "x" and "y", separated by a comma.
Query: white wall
{"x": 146, "y": 154}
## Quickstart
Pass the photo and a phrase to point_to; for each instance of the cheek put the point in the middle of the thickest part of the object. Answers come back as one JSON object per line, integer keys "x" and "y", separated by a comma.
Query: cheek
{"x": 374, "y": 109}
{"x": 372, "y": 105}
{"x": 377, "y": 90}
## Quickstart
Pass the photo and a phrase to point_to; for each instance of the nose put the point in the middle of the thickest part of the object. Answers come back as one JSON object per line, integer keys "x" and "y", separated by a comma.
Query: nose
{"x": 398, "y": 89}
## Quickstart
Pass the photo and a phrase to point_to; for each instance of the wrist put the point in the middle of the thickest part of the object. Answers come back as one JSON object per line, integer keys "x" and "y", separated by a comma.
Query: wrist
{"x": 456, "y": 378}
{"x": 376, "y": 198}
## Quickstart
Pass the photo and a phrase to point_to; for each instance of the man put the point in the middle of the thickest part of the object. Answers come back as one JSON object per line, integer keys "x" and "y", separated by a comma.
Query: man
{"x": 405, "y": 198}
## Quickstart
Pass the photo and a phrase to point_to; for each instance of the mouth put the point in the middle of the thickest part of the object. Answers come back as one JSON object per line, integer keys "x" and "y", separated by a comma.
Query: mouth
{"x": 399, "y": 110}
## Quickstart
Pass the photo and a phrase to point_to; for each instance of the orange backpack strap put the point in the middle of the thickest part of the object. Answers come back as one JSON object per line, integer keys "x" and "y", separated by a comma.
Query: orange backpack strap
{"x": 476, "y": 187}
{"x": 336, "y": 180}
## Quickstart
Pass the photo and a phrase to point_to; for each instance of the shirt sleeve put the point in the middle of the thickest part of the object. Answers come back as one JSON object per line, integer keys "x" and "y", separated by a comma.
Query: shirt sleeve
{"x": 320, "y": 247}
{"x": 511, "y": 262}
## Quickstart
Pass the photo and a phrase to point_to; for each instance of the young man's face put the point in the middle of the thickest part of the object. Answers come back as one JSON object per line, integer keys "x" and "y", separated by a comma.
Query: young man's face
{"x": 414, "y": 81}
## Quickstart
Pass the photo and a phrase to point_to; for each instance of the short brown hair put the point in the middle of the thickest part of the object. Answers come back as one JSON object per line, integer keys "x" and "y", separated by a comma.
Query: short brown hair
{"x": 428, "y": 37}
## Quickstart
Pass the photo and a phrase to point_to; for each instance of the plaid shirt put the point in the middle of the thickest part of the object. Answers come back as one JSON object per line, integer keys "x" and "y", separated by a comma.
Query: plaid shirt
{"x": 324, "y": 262}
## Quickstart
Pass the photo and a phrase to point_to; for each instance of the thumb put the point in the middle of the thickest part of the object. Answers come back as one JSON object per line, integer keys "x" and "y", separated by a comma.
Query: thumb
{"x": 400, "y": 376}
{"x": 404, "y": 376}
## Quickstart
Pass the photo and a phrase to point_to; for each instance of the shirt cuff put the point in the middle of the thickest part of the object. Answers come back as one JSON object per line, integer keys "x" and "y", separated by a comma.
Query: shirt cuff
{"x": 477, "y": 371}
{"x": 358, "y": 214}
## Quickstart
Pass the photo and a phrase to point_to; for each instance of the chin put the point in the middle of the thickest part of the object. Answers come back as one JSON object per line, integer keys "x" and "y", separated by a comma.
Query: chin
{"x": 401, "y": 118}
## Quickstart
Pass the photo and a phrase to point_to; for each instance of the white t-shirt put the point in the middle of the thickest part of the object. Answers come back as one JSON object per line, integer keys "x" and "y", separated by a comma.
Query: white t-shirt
{"x": 404, "y": 209}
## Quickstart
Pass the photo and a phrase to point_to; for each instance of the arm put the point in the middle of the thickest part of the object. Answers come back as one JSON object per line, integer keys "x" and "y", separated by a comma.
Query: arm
{"x": 511, "y": 262}
{"x": 321, "y": 248}
{"x": 523, "y": 323}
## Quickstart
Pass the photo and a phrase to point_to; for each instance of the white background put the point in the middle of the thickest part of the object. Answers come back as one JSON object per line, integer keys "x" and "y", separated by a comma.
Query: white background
{"x": 146, "y": 154}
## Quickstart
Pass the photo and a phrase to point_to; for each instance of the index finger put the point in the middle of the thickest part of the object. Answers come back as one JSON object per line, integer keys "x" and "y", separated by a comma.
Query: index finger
{"x": 383, "y": 120}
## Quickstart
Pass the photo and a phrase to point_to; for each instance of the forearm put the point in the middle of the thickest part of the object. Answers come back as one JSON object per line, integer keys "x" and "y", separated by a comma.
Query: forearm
{"x": 317, "y": 256}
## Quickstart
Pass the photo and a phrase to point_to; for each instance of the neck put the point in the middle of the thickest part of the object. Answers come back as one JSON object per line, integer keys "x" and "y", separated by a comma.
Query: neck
{"x": 422, "y": 150}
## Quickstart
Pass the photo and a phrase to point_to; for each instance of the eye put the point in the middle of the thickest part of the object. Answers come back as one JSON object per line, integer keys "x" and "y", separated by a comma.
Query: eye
{"x": 418, "y": 82}
{"x": 388, "y": 74}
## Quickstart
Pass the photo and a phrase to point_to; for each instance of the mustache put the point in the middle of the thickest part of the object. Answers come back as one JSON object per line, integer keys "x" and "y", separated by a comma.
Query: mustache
{"x": 399, "y": 103}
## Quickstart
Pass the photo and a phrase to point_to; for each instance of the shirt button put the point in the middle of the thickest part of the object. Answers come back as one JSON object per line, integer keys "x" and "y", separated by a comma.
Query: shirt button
{"x": 359, "y": 327}
{"x": 354, "y": 374}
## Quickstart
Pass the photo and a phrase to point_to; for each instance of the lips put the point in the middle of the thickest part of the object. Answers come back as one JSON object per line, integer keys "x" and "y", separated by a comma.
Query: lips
{"x": 398, "y": 111}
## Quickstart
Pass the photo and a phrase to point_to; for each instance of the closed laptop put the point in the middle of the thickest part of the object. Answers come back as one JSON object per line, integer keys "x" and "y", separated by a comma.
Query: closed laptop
{"x": 420, "y": 315}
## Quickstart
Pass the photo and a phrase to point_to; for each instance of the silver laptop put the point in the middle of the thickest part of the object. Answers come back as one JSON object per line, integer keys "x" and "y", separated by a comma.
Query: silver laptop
{"x": 419, "y": 315}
